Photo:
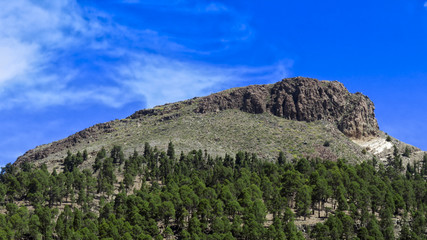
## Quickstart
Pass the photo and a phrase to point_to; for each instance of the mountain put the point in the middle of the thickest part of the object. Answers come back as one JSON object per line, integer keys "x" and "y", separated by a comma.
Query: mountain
{"x": 280, "y": 161}
{"x": 303, "y": 117}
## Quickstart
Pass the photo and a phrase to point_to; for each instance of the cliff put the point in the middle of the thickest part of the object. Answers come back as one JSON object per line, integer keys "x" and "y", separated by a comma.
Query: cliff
{"x": 301, "y": 99}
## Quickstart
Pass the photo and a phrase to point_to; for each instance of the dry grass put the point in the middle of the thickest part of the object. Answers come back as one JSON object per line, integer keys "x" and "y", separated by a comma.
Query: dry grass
{"x": 219, "y": 133}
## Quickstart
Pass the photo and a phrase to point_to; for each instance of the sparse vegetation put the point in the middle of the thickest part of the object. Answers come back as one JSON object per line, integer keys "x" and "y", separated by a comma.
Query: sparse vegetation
{"x": 220, "y": 133}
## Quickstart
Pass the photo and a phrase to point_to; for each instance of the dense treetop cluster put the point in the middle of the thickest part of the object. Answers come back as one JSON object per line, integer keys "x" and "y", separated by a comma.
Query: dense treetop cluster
{"x": 163, "y": 195}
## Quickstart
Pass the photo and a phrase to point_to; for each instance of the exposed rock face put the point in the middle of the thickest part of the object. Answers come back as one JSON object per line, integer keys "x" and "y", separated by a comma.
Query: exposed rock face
{"x": 302, "y": 99}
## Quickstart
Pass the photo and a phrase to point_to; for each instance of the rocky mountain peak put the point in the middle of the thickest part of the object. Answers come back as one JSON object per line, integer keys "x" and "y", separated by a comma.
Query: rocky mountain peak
{"x": 301, "y": 99}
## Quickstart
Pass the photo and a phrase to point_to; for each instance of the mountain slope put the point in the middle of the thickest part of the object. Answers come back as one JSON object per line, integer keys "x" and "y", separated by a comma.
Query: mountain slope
{"x": 300, "y": 116}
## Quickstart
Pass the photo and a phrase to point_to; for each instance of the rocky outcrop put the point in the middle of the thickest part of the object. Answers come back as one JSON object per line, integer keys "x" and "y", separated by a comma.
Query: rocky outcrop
{"x": 87, "y": 135}
{"x": 301, "y": 99}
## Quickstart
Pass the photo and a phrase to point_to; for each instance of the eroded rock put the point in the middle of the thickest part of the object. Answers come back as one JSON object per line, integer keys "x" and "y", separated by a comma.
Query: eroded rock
{"x": 302, "y": 99}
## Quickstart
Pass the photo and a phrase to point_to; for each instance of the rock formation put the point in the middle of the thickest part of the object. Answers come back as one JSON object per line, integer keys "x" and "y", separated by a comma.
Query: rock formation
{"x": 301, "y": 99}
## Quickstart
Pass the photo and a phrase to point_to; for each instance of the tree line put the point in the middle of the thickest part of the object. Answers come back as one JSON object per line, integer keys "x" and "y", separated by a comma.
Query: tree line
{"x": 198, "y": 196}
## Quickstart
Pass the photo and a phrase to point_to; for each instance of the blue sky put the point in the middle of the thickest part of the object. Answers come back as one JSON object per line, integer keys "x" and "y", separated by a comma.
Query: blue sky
{"x": 66, "y": 65}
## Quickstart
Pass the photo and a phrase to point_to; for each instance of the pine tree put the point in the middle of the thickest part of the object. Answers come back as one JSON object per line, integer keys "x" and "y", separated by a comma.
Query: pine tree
{"x": 303, "y": 201}
{"x": 117, "y": 154}
{"x": 281, "y": 159}
{"x": 171, "y": 151}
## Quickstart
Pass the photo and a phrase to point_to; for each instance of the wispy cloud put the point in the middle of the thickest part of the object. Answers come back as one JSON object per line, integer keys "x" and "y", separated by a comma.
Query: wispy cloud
{"x": 194, "y": 7}
{"x": 42, "y": 45}
{"x": 162, "y": 80}
{"x": 425, "y": 4}
{"x": 16, "y": 58}
{"x": 33, "y": 38}
{"x": 32, "y": 31}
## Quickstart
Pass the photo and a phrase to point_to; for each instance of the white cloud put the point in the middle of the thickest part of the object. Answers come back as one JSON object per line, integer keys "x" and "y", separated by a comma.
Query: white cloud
{"x": 35, "y": 34}
{"x": 47, "y": 25}
{"x": 16, "y": 58}
{"x": 425, "y": 4}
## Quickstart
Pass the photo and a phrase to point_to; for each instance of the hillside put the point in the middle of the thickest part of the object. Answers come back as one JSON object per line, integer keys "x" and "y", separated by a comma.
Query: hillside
{"x": 299, "y": 116}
